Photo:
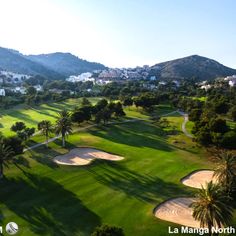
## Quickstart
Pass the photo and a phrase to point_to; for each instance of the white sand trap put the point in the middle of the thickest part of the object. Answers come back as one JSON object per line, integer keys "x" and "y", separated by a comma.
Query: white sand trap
{"x": 199, "y": 178}
{"x": 83, "y": 156}
{"x": 177, "y": 210}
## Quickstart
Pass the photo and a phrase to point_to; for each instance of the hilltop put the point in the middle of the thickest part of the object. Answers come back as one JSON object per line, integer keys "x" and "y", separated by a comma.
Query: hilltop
{"x": 66, "y": 63}
{"x": 200, "y": 67}
{"x": 13, "y": 61}
{"x": 52, "y": 66}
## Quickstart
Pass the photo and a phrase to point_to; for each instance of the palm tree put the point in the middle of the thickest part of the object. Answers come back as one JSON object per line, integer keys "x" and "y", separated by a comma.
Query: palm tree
{"x": 6, "y": 154}
{"x": 212, "y": 207}
{"x": 46, "y": 128}
{"x": 225, "y": 170}
{"x": 63, "y": 125}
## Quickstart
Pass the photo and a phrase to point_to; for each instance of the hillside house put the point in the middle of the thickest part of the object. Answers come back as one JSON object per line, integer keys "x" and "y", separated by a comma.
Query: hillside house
{"x": 2, "y": 92}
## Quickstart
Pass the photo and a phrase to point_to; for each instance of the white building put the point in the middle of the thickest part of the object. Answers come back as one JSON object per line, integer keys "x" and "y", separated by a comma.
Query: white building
{"x": 162, "y": 83}
{"x": 38, "y": 88}
{"x": 2, "y": 92}
{"x": 103, "y": 81}
{"x": 21, "y": 90}
{"x": 153, "y": 78}
{"x": 206, "y": 87}
{"x": 84, "y": 77}
{"x": 231, "y": 80}
{"x": 14, "y": 78}
{"x": 176, "y": 82}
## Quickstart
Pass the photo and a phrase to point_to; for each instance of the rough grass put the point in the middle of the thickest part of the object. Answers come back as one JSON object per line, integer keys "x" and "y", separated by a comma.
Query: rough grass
{"x": 189, "y": 126}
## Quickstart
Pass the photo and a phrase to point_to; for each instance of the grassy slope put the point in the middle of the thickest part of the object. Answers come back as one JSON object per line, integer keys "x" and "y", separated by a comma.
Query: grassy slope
{"x": 46, "y": 199}
{"x": 32, "y": 115}
{"x": 189, "y": 126}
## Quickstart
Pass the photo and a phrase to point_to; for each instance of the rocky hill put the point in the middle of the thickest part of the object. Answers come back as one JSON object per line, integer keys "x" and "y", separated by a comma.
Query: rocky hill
{"x": 192, "y": 66}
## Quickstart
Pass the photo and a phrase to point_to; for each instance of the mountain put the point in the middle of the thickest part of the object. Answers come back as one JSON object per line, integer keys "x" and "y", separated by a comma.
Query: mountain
{"x": 192, "y": 66}
{"x": 66, "y": 63}
{"x": 61, "y": 65}
{"x": 52, "y": 66}
{"x": 14, "y": 61}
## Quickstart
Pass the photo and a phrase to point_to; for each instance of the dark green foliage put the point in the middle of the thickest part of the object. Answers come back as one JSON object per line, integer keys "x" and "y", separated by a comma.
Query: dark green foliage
{"x": 106, "y": 230}
{"x": 218, "y": 125}
{"x": 87, "y": 110}
{"x": 146, "y": 100}
{"x": 45, "y": 126}
{"x": 63, "y": 125}
{"x": 6, "y": 153}
{"x": 225, "y": 171}
{"x": 15, "y": 143}
{"x": 128, "y": 101}
{"x": 212, "y": 207}
{"x": 232, "y": 113}
{"x": 78, "y": 116}
{"x": 22, "y": 131}
{"x": 26, "y": 133}
{"x": 85, "y": 102}
{"x": 213, "y": 131}
{"x": 221, "y": 107}
{"x": 18, "y": 126}
{"x": 103, "y": 111}
{"x": 209, "y": 126}
{"x": 195, "y": 114}
{"x": 118, "y": 109}
{"x": 203, "y": 136}
{"x": 101, "y": 104}
{"x": 31, "y": 91}
{"x": 229, "y": 140}
{"x": 103, "y": 115}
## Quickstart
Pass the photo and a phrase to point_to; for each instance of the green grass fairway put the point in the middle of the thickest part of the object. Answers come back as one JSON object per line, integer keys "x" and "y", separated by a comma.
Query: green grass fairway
{"x": 50, "y": 200}
{"x": 32, "y": 115}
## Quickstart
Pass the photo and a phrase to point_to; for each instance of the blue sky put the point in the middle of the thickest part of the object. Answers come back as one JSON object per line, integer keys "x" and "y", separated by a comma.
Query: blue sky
{"x": 122, "y": 33}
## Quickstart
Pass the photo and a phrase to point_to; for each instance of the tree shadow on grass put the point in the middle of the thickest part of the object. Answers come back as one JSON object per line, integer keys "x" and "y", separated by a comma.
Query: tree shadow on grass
{"x": 46, "y": 113}
{"x": 143, "y": 187}
{"x": 22, "y": 161}
{"x": 138, "y": 134}
{"x": 47, "y": 206}
{"x": 23, "y": 117}
{"x": 44, "y": 155}
{"x": 63, "y": 105}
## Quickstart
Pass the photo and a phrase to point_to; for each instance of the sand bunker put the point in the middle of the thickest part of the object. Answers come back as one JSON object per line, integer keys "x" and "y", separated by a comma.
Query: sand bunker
{"x": 83, "y": 156}
{"x": 199, "y": 178}
{"x": 177, "y": 210}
